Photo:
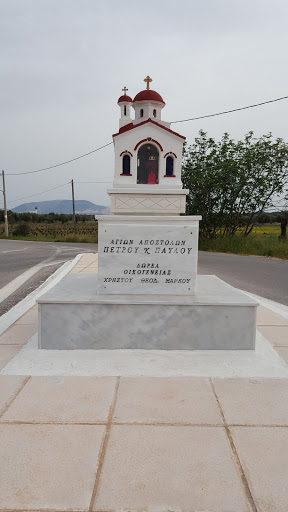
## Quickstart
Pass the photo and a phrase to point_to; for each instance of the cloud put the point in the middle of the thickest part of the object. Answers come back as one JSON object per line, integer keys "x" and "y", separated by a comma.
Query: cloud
{"x": 63, "y": 65}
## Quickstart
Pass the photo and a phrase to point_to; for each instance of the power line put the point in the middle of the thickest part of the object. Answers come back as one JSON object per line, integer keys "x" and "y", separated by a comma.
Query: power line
{"x": 172, "y": 122}
{"x": 58, "y": 165}
{"x": 39, "y": 193}
{"x": 229, "y": 111}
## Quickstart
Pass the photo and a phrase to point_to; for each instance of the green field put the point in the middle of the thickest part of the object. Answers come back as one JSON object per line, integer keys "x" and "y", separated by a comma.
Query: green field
{"x": 86, "y": 232}
{"x": 263, "y": 241}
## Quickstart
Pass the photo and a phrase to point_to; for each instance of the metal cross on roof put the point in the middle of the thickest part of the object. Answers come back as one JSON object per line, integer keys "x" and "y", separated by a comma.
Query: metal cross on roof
{"x": 148, "y": 80}
{"x": 125, "y": 90}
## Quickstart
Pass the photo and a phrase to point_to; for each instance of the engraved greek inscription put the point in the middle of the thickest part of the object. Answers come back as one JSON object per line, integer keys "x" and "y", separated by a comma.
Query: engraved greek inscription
{"x": 120, "y": 241}
{"x": 161, "y": 242}
{"x": 118, "y": 279}
{"x": 148, "y": 269}
{"x": 180, "y": 281}
{"x": 139, "y": 261}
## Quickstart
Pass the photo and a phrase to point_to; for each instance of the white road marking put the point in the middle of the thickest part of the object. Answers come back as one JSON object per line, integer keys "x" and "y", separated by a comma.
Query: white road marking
{"x": 19, "y": 280}
{"x": 14, "y": 250}
{"x": 64, "y": 248}
{"x": 24, "y": 305}
{"x": 56, "y": 262}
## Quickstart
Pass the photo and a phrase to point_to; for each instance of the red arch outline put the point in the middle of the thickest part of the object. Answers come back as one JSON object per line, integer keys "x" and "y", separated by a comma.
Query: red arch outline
{"x": 148, "y": 140}
{"x": 123, "y": 152}
{"x": 170, "y": 153}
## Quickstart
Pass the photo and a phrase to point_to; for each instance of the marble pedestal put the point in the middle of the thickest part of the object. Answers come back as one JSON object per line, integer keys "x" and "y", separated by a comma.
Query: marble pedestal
{"x": 147, "y": 255}
{"x": 74, "y": 316}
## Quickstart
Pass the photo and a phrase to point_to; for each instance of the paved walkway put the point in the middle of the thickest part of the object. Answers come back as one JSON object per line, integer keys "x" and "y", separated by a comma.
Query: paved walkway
{"x": 145, "y": 444}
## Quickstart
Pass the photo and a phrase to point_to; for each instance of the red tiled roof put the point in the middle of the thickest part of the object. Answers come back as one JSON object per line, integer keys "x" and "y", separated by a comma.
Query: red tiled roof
{"x": 131, "y": 126}
{"x": 148, "y": 95}
{"x": 125, "y": 98}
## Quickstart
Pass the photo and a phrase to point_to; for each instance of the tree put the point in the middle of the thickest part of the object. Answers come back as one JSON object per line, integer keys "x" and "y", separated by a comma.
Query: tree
{"x": 232, "y": 183}
{"x": 284, "y": 219}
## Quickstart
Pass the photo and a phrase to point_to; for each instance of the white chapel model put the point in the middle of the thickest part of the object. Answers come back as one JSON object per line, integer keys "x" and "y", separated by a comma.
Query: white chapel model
{"x": 148, "y": 158}
{"x": 146, "y": 293}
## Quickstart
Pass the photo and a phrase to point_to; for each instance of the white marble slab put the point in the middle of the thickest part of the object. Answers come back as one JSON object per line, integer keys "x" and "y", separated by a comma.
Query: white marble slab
{"x": 263, "y": 362}
{"x": 73, "y": 316}
{"x": 148, "y": 255}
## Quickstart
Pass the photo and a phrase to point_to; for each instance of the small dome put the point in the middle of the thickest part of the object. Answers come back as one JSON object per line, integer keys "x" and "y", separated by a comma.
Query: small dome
{"x": 123, "y": 98}
{"x": 148, "y": 95}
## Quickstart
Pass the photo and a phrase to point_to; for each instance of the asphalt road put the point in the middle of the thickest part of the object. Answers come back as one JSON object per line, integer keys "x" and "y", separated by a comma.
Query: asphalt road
{"x": 266, "y": 277}
{"x": 40, "y": 259}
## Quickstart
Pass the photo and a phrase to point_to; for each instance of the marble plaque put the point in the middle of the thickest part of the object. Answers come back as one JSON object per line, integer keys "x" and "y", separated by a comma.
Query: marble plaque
{"x": 148, "y": 256}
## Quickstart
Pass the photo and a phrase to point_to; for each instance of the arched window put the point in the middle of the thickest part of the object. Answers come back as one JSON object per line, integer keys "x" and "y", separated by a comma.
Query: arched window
{"x": 154, "y": 112}
{"x": 169, "y": 166}
{"x": 126, "y": 164}
{"x": 148, "y": 165}
{"x": 125, "y": 110}
{"x": 141, "y": 112}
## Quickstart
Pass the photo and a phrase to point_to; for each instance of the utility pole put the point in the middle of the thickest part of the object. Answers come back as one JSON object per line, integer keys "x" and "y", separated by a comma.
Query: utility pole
{"x": 5, "y": 207}
{"x": 73, "y": 202}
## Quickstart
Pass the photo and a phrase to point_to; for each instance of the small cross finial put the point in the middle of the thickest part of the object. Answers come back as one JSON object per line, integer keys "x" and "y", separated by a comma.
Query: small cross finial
{"x": 148, "y": 80}
{"x": 124, "y": 90}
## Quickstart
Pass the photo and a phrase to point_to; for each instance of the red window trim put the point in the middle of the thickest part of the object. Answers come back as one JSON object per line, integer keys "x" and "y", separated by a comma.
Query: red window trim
{"x": 125, "y": 174}
{"x": 169, "y": 175}
{"x": 126, "y": 152}
{"x": 170, "y": 153}
{"x": 148, "y": 140}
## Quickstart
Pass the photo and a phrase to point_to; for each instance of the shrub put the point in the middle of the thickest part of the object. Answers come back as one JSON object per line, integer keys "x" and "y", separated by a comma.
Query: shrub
{"x": 22, "y": 229}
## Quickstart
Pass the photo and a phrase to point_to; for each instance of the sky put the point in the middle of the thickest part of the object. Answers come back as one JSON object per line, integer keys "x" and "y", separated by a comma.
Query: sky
{"x": 63, "y": 64}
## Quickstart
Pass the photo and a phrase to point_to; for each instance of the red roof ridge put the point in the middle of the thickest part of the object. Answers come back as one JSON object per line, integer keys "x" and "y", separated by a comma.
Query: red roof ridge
{"x": 144, "y": 122}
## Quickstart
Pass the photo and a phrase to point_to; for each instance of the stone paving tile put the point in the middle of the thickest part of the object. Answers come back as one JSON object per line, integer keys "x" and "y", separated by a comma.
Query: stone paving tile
{"x": 48, "y": 466}
{"x": 31, "y": 317}
{"x": 267, "y": 317}
{"x": 283, "y": 352}
{"x": 18, "y": 334}
{"x": 166, "y": 400}
{"x": 263, "y": 454}
{"x": 9, "y": 387}
{"x": 253, "y": 401}
{"x": 165, "y": 468}
{"x": 63, "y": 400}
{"x": 277, "y": 335}
{"x": 7, "y": 352}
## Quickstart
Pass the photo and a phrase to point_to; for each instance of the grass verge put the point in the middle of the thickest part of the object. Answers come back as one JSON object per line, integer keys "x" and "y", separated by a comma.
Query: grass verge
{"x": 256, "y": 244}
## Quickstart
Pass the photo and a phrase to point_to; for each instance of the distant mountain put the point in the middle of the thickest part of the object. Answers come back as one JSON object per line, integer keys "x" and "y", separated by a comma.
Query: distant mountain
{"x": 62, "y": 206}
